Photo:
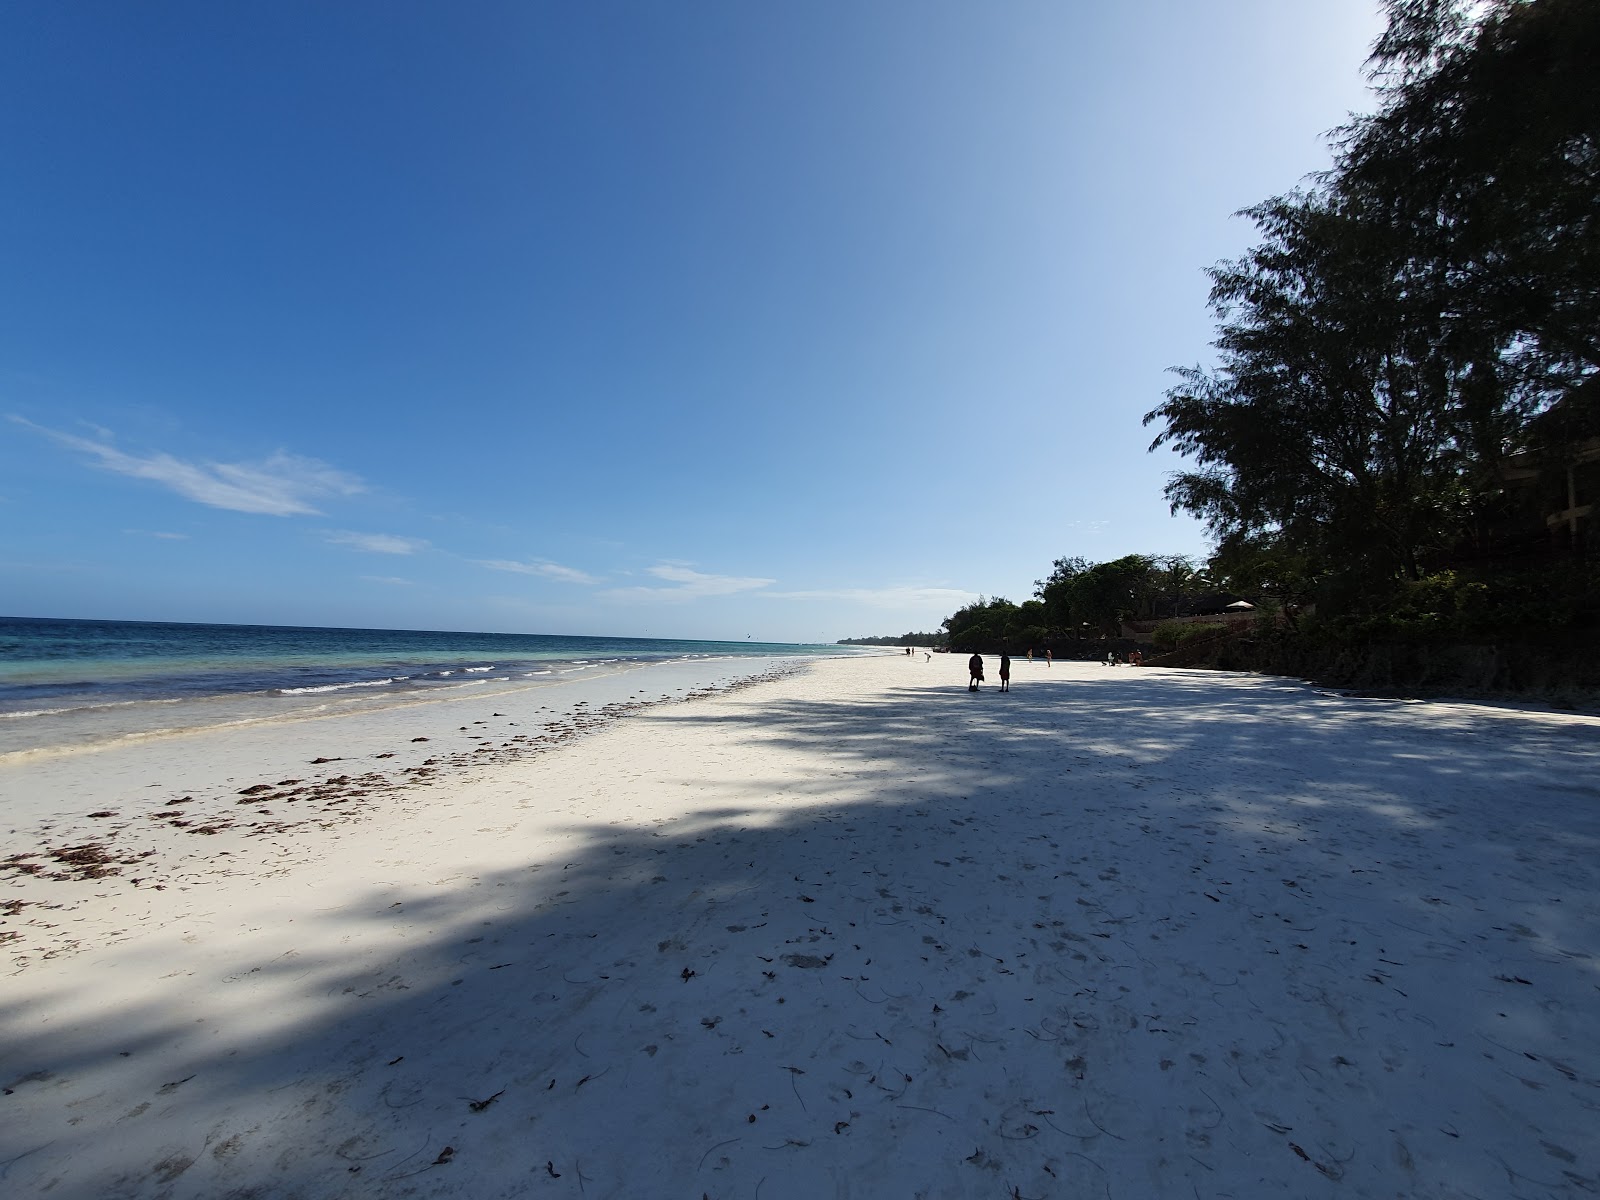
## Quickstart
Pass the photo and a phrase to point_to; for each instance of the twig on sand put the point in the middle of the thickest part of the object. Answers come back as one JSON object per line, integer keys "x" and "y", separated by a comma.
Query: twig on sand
{"x": 1082, "y": 1137}
{"x": 1095, "y": 1165}
{"x": 919, "y": 1108}
{"x": 1097, "y": 1124}
{"x": 793, "y": 1071}
{"x": 346, "y": 1157}
{"x": 385, "y": 1094}
{"x": 715, "y": 1148}
{"x": 480, "y": 1105}
{"x": 426, "y": 1142}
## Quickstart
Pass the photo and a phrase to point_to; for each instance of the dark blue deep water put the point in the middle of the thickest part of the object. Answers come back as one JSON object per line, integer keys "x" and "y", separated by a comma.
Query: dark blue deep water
{"x": 50, "y": 666}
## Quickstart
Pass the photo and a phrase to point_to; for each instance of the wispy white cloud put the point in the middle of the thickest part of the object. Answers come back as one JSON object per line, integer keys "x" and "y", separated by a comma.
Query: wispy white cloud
{"x": 941, "y": 598}
{"x": 375, "y": 543}
{"x": 547, "y": 570}
{"x": 282, "y": 485}
{"x": 688, "y": 585}
{"x": 392, "y": 580}
{"x": 156, "y": 533}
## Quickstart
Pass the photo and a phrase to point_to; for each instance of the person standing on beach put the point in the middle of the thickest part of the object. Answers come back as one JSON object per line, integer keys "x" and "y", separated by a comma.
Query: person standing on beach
{"x": 975, "y": 669}
{"x": 1005, "y": 671}
{"x": 1049, "y": 658}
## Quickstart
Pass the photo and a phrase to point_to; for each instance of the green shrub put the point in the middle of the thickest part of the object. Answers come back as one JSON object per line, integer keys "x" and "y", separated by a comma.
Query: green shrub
{"x": 1169, "y": 635}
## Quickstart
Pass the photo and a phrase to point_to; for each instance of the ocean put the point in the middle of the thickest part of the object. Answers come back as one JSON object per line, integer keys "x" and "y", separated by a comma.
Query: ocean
{"x": 73, "y": 683}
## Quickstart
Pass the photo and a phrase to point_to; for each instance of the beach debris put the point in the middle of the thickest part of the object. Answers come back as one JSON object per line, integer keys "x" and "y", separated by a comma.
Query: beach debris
{"x": 103, "y": 813}
{"x": 479, "y": 1105}
{"x": 319, "y": 761}
{"x": 550, "y": 1166}
{"x": 687, "y": 974}
{"x": 445, "y": 1156}
{"x": 88, "y": 861}
{"x": 419, "y": 739}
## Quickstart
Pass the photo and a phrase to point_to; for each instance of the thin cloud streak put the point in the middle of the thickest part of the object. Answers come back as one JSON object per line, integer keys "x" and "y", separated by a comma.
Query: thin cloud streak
{"x": 282, "y": 485}
{"x": 375, "y": 543}
{"x": 546, "y": 570}
{"x": 691, "y": 585}
{"x": 156, "y": 533}
{"x": 891, "y": 597}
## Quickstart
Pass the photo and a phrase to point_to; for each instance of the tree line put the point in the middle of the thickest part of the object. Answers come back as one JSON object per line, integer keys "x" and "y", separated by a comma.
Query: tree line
{"x": 1081, "y": 600}
{"x": 905, "y": 639}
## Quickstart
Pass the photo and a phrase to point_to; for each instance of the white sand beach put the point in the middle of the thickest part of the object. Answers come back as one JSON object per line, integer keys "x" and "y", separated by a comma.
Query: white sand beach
{"x": 852, "y": 932}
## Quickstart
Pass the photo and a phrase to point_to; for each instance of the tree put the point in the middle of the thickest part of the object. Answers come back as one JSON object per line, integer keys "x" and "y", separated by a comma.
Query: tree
{"x": 1487, "y": 152}
{"x": 1099, "y": 595}
{"x": 1324, "y": 420}
{"x": 982, "y": 625}
{"x": 1389, "y": 340}
{"x": 1055, "y": 593}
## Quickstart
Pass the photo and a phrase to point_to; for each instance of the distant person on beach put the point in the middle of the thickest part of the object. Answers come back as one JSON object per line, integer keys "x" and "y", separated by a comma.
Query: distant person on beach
{"x": 1049, "y": 657}
{"x": 975, "y": 668}
{"x": 1030, "y": 656}
{"x": 927, "y": 656}
{"x": 1136, "y": 658}
{"x": 1005, "y": 672}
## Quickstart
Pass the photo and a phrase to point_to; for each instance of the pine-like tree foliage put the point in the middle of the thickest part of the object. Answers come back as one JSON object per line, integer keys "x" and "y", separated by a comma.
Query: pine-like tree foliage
{"x": 1399, "y": 324}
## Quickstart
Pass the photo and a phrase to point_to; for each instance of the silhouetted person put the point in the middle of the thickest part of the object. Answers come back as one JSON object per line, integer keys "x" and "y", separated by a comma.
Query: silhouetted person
{"x": 975, "y": 669}
{"x": 1005, "y": 672}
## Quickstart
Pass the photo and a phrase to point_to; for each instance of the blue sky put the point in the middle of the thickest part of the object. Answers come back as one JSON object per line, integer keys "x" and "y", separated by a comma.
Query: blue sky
{"x": 796, "y": 320}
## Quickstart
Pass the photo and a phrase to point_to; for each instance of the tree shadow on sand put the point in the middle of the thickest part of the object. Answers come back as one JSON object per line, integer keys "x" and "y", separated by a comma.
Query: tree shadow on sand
{"x": 1130, "y": 934}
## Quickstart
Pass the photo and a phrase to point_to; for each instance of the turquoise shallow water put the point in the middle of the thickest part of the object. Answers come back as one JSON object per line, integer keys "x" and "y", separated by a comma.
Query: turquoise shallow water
{"x": 66, "y": 682}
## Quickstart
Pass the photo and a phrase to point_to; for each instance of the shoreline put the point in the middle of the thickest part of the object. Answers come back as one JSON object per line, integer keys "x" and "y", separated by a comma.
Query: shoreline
{"x": 128, "y": 812}
{"x": 855, "y": 931}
